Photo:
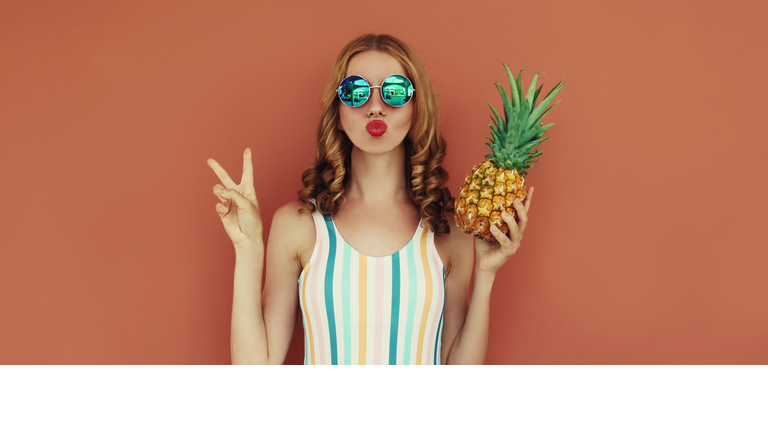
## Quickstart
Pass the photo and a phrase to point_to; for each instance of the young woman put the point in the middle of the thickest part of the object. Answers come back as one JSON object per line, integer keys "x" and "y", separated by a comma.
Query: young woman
{"x": 367, "y": 252}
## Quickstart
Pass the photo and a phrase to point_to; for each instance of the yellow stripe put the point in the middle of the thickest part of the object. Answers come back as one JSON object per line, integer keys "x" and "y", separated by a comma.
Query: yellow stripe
{"x": 428, "y": 298}
{"x": 363, "y": 289}
{"x": 309, "y": 324}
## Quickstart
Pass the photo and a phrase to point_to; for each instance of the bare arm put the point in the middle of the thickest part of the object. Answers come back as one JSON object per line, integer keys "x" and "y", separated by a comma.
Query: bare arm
{"x": 459, "y": 252}
{"x": 291, "y": 240}
{"x": 254, "y": 339}
{"x": 263, "y": 322}
{"x": 471, "y": 342}
{"x": 248, "y": 339}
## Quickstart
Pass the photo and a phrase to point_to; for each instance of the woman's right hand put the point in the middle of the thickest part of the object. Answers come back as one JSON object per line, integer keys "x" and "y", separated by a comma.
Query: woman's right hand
{"x": 239, "y": 208}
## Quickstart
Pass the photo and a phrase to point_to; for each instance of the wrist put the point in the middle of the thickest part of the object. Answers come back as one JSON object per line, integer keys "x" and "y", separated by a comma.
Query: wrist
{"x": 485, "y": 277}
{"x": 484, "y": 280}
{"x": 249, "y": 247}
{"x": 485, "y": 272}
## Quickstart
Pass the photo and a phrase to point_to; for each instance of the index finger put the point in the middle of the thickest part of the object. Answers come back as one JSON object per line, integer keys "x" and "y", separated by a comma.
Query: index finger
{"x": 528, "y": 200}
{"x": 223, "y": 176}
{"x": 247, "y": 177}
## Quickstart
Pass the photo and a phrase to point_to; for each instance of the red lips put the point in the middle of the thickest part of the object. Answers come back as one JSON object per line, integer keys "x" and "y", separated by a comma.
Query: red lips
{"x": 376, "y": 128}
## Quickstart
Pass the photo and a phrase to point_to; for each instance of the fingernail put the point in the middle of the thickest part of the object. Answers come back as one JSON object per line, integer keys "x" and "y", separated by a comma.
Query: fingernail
{"x": 221, "y": 191}
{"x": 504, "y": 213}
{"x": 517, "y": 201}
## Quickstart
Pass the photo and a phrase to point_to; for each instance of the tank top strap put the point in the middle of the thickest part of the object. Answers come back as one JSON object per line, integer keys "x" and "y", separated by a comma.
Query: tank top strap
{"x": 316, "y": 215}
{"x": 321, "y": 219}
{"x": 325, "y": 233}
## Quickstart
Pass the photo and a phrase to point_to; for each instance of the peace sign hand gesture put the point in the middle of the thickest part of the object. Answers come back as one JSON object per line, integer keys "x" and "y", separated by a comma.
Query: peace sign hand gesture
{"x": 489, "y": 257}
{"x": 239, "y": 208}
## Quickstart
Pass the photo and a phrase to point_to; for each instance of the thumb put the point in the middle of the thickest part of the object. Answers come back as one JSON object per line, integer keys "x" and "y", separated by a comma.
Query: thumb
{"x": 240, "y": 201}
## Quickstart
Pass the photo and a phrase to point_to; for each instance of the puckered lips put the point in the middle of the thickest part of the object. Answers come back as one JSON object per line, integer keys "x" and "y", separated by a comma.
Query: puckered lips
{"x": 376, "y": 128}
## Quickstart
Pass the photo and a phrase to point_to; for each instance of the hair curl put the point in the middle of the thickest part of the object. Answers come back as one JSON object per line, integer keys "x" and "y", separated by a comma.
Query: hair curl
{"x": 424, "y": 146}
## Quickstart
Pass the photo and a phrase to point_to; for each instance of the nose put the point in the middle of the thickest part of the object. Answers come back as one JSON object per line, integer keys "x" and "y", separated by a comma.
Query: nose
{"x": 376, "y": 107}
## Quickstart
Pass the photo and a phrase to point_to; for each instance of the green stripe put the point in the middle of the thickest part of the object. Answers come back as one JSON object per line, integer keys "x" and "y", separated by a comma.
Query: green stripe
{"x": 395, "y": 317}
{"x": 347, "y": 266}
{"x": 412, "y": 285}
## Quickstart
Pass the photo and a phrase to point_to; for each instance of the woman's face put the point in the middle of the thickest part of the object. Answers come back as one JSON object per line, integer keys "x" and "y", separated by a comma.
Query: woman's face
{"x": 374, "y": 66}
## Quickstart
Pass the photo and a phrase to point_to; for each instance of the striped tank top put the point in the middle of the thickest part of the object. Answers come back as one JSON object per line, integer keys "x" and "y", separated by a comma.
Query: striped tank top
{"x": 358, "y": 309}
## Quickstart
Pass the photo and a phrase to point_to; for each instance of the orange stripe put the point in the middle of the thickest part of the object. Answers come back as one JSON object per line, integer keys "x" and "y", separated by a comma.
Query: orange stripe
{"x": 363, "y": 291}
{"x": 427, "y": 299}
{"x": 309, "y": 324}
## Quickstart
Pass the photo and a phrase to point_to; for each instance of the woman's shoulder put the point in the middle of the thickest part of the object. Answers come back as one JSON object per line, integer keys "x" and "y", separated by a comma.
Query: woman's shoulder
{"x": 293, "y": 216}
{"x": 294, "y": 229}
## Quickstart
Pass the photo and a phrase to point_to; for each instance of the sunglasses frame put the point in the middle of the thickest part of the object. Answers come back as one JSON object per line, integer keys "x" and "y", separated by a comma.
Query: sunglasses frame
{"x": 370, "y": 90}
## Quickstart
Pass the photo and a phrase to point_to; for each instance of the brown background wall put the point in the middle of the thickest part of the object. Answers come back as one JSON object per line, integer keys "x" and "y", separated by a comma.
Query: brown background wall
{"x": 646, "y": 232}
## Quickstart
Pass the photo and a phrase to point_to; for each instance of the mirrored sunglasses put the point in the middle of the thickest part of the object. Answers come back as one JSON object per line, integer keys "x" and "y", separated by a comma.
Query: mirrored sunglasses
{"x": 396, "y": 90}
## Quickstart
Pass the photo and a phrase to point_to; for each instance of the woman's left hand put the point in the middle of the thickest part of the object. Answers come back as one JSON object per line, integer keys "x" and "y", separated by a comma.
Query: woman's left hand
{"x": 489, "y": 256}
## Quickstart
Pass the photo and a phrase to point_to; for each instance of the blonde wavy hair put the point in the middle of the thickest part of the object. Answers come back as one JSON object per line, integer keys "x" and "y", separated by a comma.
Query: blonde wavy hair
{"x": 424, "y": 146}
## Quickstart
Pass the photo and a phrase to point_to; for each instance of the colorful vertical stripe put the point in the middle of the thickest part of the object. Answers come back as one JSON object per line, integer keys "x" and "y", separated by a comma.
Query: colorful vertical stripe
{"x": 328, "y": 288}
{"x": 362, "y": 319}
{"x": 359, "y": 309}
{"x": 309, "y": 341}
{"x": 394, "y": 318}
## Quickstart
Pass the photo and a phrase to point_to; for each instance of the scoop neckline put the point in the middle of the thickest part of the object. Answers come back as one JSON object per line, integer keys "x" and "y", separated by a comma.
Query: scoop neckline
{"x": 338, "y": 233}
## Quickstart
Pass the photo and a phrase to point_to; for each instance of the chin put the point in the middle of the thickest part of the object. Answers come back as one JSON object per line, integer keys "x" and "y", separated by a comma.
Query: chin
{"x": 379, "y": 145}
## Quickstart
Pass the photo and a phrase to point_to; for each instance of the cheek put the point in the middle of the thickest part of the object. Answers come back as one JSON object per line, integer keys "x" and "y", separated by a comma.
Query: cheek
{"x": 345, "y": 117}
{"x": 407, "y": 118}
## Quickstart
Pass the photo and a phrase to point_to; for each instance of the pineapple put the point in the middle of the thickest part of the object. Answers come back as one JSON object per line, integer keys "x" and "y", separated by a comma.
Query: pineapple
{"x": 493, "y": 185}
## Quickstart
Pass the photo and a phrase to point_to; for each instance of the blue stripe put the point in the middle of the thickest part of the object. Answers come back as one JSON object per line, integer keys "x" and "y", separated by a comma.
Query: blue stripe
{"x": 329, "y": 290}
{"x": 440, "y": 324}
{"x": 395, "y": 308}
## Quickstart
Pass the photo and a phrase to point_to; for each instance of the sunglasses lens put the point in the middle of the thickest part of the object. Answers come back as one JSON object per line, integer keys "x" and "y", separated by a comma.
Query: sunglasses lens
{"x": 354, "y": 91}
{"x": 397, "y": 90}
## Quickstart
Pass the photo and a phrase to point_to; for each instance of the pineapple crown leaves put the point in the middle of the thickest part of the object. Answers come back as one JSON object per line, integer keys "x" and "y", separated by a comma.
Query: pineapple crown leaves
{"x": 514, "y": 136}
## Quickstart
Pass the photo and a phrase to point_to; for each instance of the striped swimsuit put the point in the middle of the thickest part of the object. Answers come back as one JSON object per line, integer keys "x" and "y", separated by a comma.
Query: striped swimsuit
{"x": 358, "y": 309}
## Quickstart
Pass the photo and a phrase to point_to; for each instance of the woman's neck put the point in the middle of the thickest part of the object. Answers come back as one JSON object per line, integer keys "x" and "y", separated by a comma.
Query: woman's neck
{"x": 377, "y": 178}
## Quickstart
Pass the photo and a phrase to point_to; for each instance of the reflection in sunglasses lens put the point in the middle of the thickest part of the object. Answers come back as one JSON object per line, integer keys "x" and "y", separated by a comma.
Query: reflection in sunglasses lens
{"x": 396, "y": 90}
{"x": 354, "y": 91}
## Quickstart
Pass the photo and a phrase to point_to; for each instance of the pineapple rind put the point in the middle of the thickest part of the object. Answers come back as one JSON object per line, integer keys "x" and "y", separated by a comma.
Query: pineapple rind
{"x": 485, "y": 193}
